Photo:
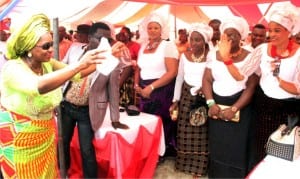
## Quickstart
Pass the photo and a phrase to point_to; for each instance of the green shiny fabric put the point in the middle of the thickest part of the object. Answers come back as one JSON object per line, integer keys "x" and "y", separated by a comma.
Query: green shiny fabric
{"x": 25, "y": 38}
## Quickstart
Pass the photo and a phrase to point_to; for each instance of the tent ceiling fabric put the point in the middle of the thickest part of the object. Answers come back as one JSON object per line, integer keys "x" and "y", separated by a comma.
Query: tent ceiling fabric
{"x": 106, "y": 7}
{"x": 195, "y": 13}
{"x": 3, "y": 4}
{"x": 250, "y": 12}
{"x": 130, "y": 12}
{"x": 143, "y": 12}
{"x": 206, "y": 2}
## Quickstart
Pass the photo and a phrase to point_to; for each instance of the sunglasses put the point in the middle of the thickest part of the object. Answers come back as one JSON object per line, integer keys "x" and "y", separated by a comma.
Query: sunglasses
{"x": 46, "y": 46}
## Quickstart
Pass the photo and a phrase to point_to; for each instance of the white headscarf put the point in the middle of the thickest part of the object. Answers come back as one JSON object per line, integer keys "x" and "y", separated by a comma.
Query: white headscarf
{"x": 205, "y": 30}
{"x": 238, "y": 23}
{"x": 286, "y": 15}
{"x": 154, "y": 17}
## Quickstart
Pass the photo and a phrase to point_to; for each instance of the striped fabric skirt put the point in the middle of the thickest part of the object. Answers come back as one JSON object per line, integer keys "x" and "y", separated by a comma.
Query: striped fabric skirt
{"x": 192, "y": 141}
{"x": 28, "y": 147}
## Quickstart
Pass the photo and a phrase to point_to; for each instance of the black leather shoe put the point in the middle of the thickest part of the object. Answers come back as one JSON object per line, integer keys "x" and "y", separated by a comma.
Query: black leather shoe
{"x": 119, "y": 125}
{"x": 161, "y": 160}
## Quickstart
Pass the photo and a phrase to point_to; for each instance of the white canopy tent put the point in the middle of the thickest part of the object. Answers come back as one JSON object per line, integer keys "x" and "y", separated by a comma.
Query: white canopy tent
{"x": 118, "y": 12}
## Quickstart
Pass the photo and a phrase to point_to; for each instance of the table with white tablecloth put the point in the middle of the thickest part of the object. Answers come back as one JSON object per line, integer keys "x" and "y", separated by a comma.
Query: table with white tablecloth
{"x": 276, "y": 168}
{"x": 131, "y": 153}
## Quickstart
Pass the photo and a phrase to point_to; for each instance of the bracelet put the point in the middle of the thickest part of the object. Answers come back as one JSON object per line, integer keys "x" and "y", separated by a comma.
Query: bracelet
{"x": 210, "y": 102}
{"x": 152, "y": 87}
{"x": 228, "y": 62}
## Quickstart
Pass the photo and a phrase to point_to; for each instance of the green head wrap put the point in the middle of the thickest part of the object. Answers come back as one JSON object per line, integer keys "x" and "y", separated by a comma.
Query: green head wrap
{"x": 24, "y": 39}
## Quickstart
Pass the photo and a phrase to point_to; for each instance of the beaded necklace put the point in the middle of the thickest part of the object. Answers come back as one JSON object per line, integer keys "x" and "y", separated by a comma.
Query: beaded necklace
{"x": 278, "y": 57}
{"x": 197, "y": 59}
{"x": 151, "y": 46}
{"x": 287, "y": 52}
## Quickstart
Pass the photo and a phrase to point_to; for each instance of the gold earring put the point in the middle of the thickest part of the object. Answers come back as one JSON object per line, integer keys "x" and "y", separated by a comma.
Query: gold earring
{"x": 29, "y": 54}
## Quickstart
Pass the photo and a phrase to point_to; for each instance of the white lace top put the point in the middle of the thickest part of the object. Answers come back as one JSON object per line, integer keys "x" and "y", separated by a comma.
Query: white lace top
{"x": 224, "y": 84}
{"x": 191, "y": 73}
{"x": 261, "y": 63}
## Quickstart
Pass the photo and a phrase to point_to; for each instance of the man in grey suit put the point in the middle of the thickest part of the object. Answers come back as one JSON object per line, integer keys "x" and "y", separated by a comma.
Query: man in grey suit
{"x": 104, "y": 89}
{"x": 75, "y": 106}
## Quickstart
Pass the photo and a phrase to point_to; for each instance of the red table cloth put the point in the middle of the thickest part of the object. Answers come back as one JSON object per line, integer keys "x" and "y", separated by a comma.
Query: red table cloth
{"x": 131, "y": 153}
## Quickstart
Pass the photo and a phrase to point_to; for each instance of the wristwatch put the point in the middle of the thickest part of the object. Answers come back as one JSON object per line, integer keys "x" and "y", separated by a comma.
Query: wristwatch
{"x": 234, "y": 109}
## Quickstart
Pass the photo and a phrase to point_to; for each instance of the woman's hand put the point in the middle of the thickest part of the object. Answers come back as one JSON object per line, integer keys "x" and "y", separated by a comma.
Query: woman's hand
{"x": 214, "y": 111}
{"x": 119, "y": 50}
{"x": 226, "y": 114}
{"x": 174, "y": 111}
{"x": 146, "y": 92}
{"x": 174, "y": 106}
{"x": 224, "y": 47}
{"x": 137, "y": 89}
{"x": 94, "y": 56}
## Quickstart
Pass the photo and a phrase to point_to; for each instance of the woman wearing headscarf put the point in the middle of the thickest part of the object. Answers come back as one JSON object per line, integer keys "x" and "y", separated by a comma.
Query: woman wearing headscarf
{"x": 127, "y": 94}
{"x": 278, "y": 65}
{"x": 155, "y": 74}
{"x": 228, "y": 100}
{"x": 192, "y": 151}
{"x": 30, "y": 90}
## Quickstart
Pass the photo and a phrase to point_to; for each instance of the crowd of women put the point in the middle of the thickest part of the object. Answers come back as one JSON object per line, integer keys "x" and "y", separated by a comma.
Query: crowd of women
{"x": 246, "y": 94}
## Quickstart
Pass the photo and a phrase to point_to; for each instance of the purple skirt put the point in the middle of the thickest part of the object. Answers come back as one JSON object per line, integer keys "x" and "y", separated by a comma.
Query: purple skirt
{"x": 158, "y": 104}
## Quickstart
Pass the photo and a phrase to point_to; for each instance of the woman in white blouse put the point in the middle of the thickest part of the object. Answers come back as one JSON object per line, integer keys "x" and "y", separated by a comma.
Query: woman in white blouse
{"x": 278, "y": 65}
{"x": 192, "y": 152}
{"x": 157, "y": 66}
{"x": 229, "y": 140}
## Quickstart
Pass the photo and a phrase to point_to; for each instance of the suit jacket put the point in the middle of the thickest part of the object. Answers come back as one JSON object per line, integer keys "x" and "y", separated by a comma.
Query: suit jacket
{"x": 103, "y": 92}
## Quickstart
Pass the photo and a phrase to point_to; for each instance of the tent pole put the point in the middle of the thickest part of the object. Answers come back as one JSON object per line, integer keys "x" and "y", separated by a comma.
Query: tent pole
{"x": 61, "y": 157}
{"x": 175, "y": 22}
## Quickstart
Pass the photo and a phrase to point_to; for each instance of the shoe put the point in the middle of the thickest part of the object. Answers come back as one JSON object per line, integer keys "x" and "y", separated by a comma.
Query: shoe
{"x": 119, "y": 125}
{"x": 170, "y": 151}
{"x": 161, "y": 160}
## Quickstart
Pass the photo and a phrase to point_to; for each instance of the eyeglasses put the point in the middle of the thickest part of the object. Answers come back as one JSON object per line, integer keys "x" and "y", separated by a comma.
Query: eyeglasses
{"x": 45, "y": 46}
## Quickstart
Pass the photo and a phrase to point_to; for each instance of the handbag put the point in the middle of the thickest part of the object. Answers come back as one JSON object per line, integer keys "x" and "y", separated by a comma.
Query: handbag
{"x": 174, "y": 113}
{"x": 132, "y": 110}
{"x": 198, "y": 116}
{"x": 285, "y": 141}
{"x": 236, "y": 117}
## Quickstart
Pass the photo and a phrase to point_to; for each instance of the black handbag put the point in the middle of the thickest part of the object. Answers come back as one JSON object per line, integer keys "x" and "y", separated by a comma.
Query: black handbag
{"x": 285, "y": 141}
{"x": 132, "y": 110}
